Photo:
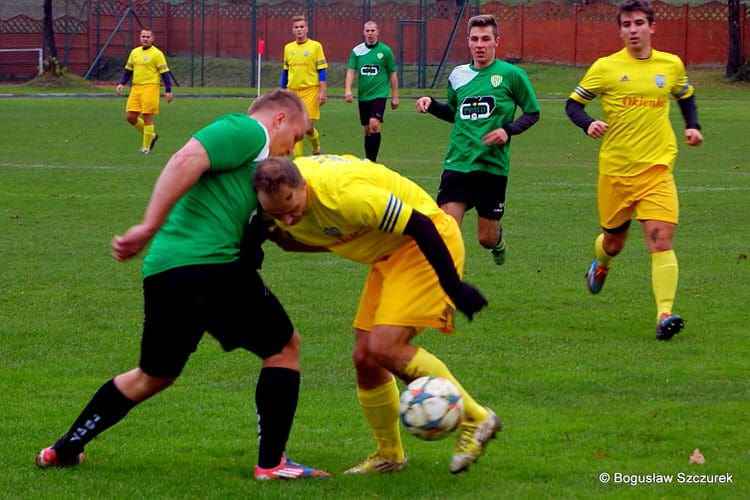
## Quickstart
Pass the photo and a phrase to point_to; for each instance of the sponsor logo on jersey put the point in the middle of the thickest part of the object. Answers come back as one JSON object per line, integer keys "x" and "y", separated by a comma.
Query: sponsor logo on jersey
{"x": 477, "y": 107}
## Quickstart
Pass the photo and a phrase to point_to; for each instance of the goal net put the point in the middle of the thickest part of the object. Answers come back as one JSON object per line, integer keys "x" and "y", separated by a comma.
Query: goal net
{"x": 20, "y": 64}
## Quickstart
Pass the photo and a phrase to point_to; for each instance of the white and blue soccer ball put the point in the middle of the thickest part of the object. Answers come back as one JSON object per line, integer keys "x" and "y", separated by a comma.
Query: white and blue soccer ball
{"x": 431, "y": 408}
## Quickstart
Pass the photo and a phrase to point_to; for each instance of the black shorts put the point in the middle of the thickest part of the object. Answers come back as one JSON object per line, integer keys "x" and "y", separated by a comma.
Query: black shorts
{"x": 226, "y": 300}
{"x": 480, "y": 190}
{"x": 371, "y": 109}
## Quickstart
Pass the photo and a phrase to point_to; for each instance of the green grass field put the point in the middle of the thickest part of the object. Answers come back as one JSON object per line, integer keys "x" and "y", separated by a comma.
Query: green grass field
{"x": 580, "y": 382}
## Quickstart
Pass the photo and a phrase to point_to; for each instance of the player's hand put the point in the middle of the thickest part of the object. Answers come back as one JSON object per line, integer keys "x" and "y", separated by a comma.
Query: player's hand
{"x": 168, "y": 97}
{"x": 119, "y": 88}
{"x": 493, "y": 137}
{"x": 348, "y": 97}
{"x": 395, "y": 102}
{"x": 468, "y": 299}
{"x": 131, "y": 243}
{"x": 693, "y": 137}
{"x": 423, "y": 103}
{"x": 596, "y": 129}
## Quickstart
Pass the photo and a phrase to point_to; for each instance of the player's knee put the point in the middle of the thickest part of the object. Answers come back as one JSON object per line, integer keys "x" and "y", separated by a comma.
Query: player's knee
{"x": 488, "y": 240}
{"x": 292, "y": 349}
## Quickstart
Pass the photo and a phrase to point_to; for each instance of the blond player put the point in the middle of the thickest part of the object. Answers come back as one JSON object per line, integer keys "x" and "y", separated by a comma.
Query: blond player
{"x": 364, "y": 212}
{"x": 304, "y": 73}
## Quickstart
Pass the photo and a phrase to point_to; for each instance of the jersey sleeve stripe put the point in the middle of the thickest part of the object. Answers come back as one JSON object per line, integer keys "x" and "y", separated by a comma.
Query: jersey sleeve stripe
{"x": 583, "y": 93}
{"x": 392, "y": 211}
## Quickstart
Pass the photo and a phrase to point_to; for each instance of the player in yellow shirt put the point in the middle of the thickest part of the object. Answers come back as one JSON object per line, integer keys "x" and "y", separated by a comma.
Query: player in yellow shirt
{"x": 365, "y": 212}
{"x": 145, "y": 65}
{"x": 638, "y": 153}
{"x": 304, "y": 73}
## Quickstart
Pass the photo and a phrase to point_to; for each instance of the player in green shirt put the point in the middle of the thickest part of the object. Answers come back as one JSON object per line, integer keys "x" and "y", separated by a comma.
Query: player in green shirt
{"x": 194, "y": 281}
{"x": 374, "y": 66}
{"x": 482, "y": 99}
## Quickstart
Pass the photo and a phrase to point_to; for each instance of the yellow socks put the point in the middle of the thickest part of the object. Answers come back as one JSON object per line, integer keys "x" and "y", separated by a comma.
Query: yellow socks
{"x": 605, "y": 260}
{"x": 664, "y": 275}
{"x": 139, "y": 125}
{"x": 314, "y": 140}
{"x": 423, "y": 363}
{"x": 299, "y": 148}
{"x": 381, "y": 408}
{"x": 148, "y": 136}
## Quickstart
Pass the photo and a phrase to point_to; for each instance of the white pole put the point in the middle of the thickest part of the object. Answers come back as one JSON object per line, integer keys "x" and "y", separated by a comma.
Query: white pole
{"x": 258, "y": 94}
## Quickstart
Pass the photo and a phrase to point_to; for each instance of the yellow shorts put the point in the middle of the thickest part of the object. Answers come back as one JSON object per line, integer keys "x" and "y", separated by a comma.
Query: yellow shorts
{"x": 403, "y": 290}
{"x": 143, "y": 99}
{"x": 309, "y": 96}
{"x": 651, "y": 195}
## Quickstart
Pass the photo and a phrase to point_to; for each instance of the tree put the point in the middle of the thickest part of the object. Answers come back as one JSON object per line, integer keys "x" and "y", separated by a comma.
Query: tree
{"x": 51, "y": 63}
{"x": 737, "y": 67}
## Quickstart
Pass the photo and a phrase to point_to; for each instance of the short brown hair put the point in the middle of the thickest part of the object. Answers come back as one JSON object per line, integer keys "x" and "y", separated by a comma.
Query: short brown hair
{"x": 275, "y": 172}
{"x": 481, "y": 21}
{"x": 635, "y": 6}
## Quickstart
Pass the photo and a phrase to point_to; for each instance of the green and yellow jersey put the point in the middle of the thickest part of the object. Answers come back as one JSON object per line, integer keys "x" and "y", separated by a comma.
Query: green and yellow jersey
{"x": 635, "y": 98}
{"x": 373, "y": 66}
{"x": 483, "y": 100}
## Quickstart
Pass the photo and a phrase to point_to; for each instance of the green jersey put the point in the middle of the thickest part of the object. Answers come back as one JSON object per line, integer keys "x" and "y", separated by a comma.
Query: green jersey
{"x": 374, "y": 66}
{"x": 481, "y": 101}
{"x": 205, "y": 226}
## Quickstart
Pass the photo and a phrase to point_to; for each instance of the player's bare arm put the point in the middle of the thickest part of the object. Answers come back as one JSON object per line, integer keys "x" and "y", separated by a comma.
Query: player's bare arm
{"x": 182, "y": 170}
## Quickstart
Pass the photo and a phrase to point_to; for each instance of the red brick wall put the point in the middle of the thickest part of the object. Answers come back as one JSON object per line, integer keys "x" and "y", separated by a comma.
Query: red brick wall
{"x": 541, "y": 32}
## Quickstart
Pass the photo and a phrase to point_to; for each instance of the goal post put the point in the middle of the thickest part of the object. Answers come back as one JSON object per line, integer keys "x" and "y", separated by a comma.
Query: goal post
{"x": 21, "y": 63}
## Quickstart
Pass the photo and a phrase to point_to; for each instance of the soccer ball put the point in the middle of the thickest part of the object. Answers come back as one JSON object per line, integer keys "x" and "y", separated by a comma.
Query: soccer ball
{"x": 431, "y": 408}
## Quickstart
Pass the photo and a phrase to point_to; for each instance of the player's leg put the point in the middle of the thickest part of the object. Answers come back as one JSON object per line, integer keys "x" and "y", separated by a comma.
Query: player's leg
{"x": 615, "y": 211}
{"x": 133, "y": 109}
{"x": 389, "y": 345}
{"x": 150, "y": 108}
{"x": 412, "y": 295}
{"x": 453, "y": 194}
{"x": 488, "y": 196}
{"x": 377, "y": 392}
{"x": 255, "y": 320}
{"x": 171, "y": 332}
{"x": 374, "y": 115}
{"x": 659, "y": 214}
{"x": 310, "y": 98}
{"x": 378, "y": 396}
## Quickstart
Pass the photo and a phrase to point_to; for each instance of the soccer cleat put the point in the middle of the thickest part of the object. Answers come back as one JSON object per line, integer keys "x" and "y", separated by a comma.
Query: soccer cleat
{"x": 144, "y": 151}
{"x": 48, "y": 458}
{"x": 288, "y": 470}
{"x": 595, "y": 277}
{"x": 498, "y": 253}
{"x": 668, "y": 326}
{"x": 318, "y": 153}
{"x": 374, "y": 463}
{"x": 472, "y": 438}
{"x": 153, "y": 142}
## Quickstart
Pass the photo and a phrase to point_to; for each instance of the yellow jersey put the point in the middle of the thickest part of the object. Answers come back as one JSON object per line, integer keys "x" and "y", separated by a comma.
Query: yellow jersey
{"x": 303, "y": 60}
{"x": 147, "y": 65}
{"x": 635, "y": 98}
{"x": 356, "y": 208}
